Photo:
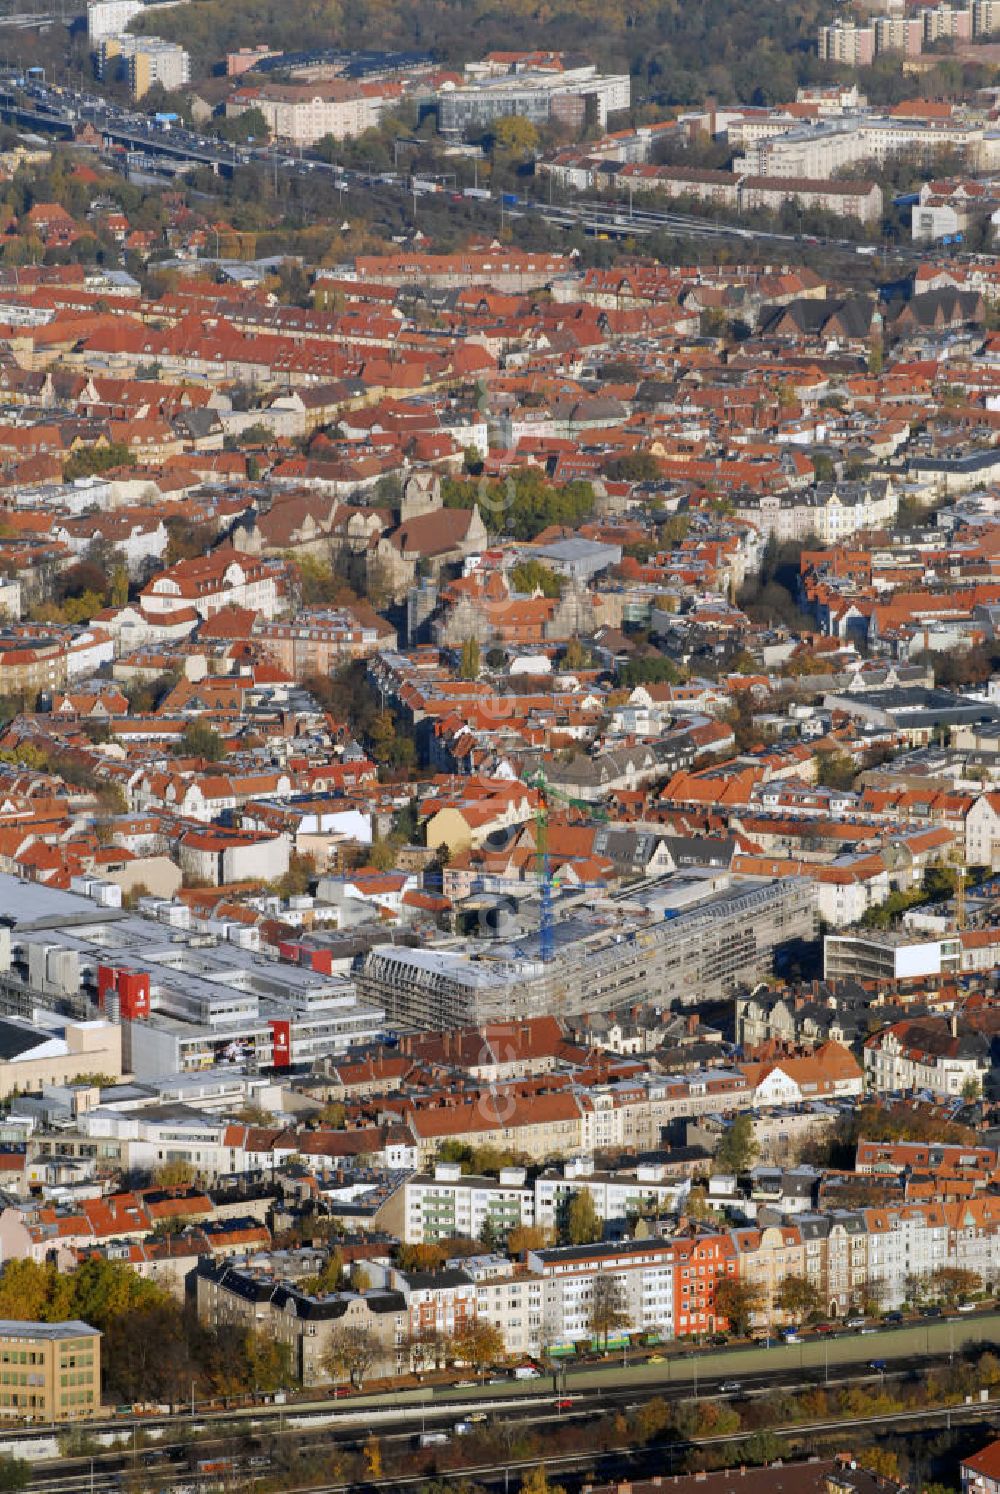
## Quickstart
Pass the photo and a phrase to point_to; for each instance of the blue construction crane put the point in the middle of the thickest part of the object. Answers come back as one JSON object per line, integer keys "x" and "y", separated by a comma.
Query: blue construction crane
{"x": 545, "y": 791}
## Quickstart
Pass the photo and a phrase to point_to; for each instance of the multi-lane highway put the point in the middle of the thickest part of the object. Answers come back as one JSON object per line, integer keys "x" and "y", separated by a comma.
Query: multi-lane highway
{"x": 741, "y": 1374}
{"x": 178, "y": 1462}
{"x": 62, "y": 111}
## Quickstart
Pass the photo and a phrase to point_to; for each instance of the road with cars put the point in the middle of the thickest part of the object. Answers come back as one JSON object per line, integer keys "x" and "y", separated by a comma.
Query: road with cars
{"x": 439, "y": 1413}
{"x": 62, "y": 110}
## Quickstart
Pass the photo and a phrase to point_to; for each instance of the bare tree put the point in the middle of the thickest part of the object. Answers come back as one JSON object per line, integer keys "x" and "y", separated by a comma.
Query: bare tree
{"x": 426, "y": 1350}
{"x": 608, "y": 1310}
{"x": 352, "y": 1351}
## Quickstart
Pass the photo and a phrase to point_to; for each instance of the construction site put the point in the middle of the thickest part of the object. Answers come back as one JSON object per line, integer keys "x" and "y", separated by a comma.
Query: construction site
{"x": 674, "y": 940}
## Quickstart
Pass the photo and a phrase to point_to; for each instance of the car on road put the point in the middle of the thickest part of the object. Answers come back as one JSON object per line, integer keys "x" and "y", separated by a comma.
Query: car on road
{"x": 893, "y": 1317}
{"x": 878, "y": 1365}
{"x": 967, "y": 1306}
{"x": 825, "y": 1328}
{"x": 657, "y": 1359}
{"x": 731, "y": 1387}
{"x": 564, "y": 1402}
{"x": 855, "y": 1322}
{"x": 932, "y": 1312}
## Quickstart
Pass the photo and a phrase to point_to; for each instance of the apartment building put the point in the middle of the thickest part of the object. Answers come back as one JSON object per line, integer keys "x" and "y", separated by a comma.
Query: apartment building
{"x": 899, "y": 33}
{"x": 809, "y": 152}
{"x": 985, "y": 17}
{"x": 936, "y": 1054}
{"x": 539, "y": 1125}
{"x": 448, "y": 1203}
{"x": 665, "y": 1285}
{"x": 302, "y": 113}
{"x": 319, "y": 641}
{"x": 904, "y": 1244}
{"x": 982, "y": 832}
{"x": 848, "y": 44}
{"x": 767, "y": 1257}
{"x": 642, "y": 1273}
{"x": 673, "y": 182}
{"x": 618, "y": 1197}
{"x": 851, "y": 45}
{"x": 558, "y": 1121}
{"x": 49, "y": 1372}
{"x": 889, "y": 956}
{"x": 30, "y": 662}
{"x": 437, "y": 1304}
{"x": 108, "y": 18}
{"x": 861, "y": 200}
{"x": 511, "y": 1300}
{"x": 831, "y": 512}
{"x": 948, "y": 22}
{"x": 144, "y": 61}
{"x": 816, "y": 152}
{"x": 981, "y": 1471}
{"x": 236, "y": 1293}
{"x": 211, "y": 582}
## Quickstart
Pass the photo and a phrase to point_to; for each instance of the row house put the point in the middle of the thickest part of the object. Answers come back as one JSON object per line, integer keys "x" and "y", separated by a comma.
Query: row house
{"x": 664, "y": 1287}
{"x": 437, "y": 1304}
{"x": 874, "y": 1257}
{"x": 512, "y": 1301}
{"x": 905, "y": 1245}
{"x": 563, "y": 1121}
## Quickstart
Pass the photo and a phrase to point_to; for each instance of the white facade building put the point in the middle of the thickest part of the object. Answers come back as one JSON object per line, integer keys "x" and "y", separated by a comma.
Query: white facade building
{"x": 107, "y": 18}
